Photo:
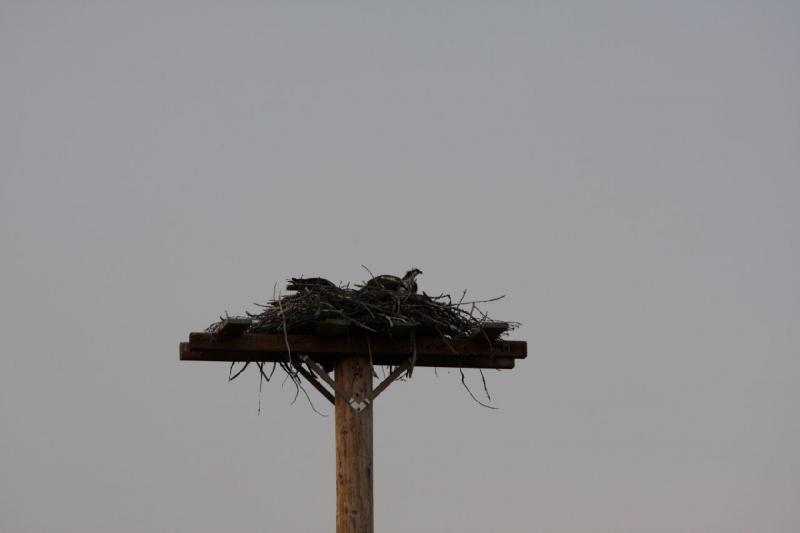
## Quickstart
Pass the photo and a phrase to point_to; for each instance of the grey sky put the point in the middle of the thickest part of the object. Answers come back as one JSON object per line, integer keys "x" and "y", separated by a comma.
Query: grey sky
{"x": 627, "y": 172}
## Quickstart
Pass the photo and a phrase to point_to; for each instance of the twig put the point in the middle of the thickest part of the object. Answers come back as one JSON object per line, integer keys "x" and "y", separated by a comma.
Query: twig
{"x": 463, "y": 294}
{"x": 260, "y": 383}
{"x": 285, "y": 335}
{"x": 231, "y": 378}
{"x": 485, "y": 388}
{"x": 371, "y": 275}
{"x": 305, "y": 392}
{"x": 464, "y": 382}
{"x": 263, "y": 375}
{"x": 483, "y": 301}
{"x": 413, "y": 354}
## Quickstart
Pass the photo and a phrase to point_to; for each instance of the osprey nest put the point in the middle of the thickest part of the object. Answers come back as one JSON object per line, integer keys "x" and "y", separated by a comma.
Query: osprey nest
{"x": 384, "y": 305}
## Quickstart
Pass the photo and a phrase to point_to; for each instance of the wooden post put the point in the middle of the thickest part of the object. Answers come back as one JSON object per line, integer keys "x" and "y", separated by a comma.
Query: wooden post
{"x": 354, "y": 446}
{"x": 352, "y": 359}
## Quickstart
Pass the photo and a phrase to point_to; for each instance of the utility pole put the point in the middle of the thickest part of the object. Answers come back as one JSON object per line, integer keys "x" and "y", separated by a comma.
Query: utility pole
{"x": 354, "y": 499}
{"x": 351, "y": 389}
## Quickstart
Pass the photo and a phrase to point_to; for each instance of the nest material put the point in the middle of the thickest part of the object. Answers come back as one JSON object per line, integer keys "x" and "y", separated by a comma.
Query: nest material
{"x": 373, "y": 309}
{"x": 376, "y": 308}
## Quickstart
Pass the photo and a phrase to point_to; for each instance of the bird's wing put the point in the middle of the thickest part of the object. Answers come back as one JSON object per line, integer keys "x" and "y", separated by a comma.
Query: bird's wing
{"x": 385, "y": 281}
{"x": 296, "y": 284}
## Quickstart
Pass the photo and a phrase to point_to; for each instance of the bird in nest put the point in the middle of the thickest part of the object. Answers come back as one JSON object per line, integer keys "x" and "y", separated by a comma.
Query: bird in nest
{"x": 407, "y": 283}
{"x": 308, "y": 284}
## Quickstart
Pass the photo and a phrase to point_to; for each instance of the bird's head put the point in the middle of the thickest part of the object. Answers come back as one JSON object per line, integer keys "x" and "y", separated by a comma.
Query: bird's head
{"x": 412, "y": 274}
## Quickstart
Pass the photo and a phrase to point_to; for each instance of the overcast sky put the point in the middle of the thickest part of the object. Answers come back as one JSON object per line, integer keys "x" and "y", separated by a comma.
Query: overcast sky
{"x": 628, "y": 173}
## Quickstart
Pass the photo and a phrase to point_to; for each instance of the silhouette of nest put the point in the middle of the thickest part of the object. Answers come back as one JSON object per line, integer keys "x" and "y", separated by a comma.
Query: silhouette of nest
{"x": 373, "y": 309}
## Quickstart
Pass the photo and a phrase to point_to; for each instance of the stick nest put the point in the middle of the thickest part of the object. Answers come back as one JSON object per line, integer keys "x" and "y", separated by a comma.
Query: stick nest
{"x": 374, "y": 309}
{"x": 370, "y": 307}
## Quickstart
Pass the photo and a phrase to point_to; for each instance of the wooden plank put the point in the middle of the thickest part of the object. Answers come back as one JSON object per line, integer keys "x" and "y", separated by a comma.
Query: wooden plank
{"x": 325, "y": 350}
{"x": 324, "y": 376}
{"x": 275, "y": 343}
{"x": 328, "y": 361}
{"x": 315, "y": 383}
{"x": 388, "y": 380}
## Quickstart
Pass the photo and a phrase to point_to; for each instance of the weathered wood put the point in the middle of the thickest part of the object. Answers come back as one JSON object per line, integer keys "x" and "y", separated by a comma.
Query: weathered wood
{"x": 315, "y": 344}
{"x": 338, "y": 390}
{"x": 354, "y": 500}
{"x": 388, "y": 380}
{"x": 498, "y": 362}
{"x": 475, "y": 353}
{"x": 315, "y": 383}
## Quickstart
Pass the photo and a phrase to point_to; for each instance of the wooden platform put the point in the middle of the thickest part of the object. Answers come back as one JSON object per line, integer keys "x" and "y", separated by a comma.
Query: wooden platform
{"x": 431, "y": 352}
